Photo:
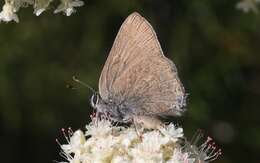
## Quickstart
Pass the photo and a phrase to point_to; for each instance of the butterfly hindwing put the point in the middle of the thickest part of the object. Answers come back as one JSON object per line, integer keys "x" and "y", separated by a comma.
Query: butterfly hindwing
{"x": 137, "y": 73}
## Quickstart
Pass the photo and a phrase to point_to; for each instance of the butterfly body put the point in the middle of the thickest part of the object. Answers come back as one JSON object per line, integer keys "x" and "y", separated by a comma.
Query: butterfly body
{"x": 138, "y": 81}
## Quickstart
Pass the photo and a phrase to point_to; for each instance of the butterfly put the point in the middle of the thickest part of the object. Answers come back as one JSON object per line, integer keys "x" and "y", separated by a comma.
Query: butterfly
{"x": 138, "y": 83}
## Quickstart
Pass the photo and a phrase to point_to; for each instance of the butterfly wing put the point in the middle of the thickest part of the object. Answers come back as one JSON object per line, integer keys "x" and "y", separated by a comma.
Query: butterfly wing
{"x": 138, "y": 75}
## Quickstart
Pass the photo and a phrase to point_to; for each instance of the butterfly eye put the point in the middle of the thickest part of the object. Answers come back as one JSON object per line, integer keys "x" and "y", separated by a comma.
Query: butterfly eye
{"x": 94, "y": 100}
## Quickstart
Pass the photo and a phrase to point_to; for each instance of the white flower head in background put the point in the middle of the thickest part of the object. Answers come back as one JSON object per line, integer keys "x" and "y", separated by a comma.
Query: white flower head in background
{"x": 8, "y": 12}
{"x": 40, "y": 6}
{"x": 67, "y": 6}
{"x": 11, "y": 7}
{"x": 104, "y": 142}
{"x": 248, "y": 5}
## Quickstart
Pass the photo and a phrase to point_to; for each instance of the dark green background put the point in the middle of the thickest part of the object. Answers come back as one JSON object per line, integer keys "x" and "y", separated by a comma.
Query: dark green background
{"x": 214, "y": 46}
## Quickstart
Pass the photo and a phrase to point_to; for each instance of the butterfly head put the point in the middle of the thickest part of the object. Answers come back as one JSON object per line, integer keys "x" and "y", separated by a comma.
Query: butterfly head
{"x": 111, "y": 109}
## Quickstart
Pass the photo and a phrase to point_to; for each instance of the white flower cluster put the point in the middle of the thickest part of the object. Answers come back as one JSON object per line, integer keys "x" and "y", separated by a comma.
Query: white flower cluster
{"x": 104, "y": 143}
{"x": 248, "y": 5}
{"x": 11, "y": 7}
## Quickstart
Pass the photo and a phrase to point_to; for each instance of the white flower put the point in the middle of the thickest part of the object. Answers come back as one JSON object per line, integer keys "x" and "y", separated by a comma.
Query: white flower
{"x": 180, "y": 157}
{"x": 200, "y": 149}
{"x": 11, "y": 7}
{"x": 97, "y": 150}
{"x": 38, "y": 12}
{"x": 120, "y": 159}
{"x": 128, "y": 137}
{"x": 75, "y": 143}
{"x": 248, "y": 5}
{"x": 67, "y": 6}
{"x": 40, "y": 6}
{"x": 99, "y": 128}
{"x": 149, "y": 150}
{"x": 172, "y": 132}
{"x": 75, "y": 146}
{"x": 8, "y": 13}
{"x": 106, "y": 143}
{"x": 152, "y": 141}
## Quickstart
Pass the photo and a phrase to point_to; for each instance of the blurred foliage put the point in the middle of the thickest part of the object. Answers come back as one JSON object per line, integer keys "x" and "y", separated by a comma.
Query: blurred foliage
{"x": 215, "y": 47}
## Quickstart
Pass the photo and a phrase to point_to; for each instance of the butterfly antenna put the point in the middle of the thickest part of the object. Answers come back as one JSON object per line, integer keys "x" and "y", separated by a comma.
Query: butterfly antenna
{"x": 82, "y": 83}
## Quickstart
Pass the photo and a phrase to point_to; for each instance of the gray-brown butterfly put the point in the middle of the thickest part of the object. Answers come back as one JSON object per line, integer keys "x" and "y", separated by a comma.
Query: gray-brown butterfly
{"x": 138, "y": 83}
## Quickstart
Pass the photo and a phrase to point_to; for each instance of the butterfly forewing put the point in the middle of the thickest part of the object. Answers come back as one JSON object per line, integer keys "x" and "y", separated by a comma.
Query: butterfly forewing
{"x": 138, "y": 75}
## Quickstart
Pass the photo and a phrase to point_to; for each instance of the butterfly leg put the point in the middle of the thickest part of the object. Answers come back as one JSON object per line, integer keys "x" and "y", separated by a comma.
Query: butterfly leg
{"x": 136, "y": 129}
